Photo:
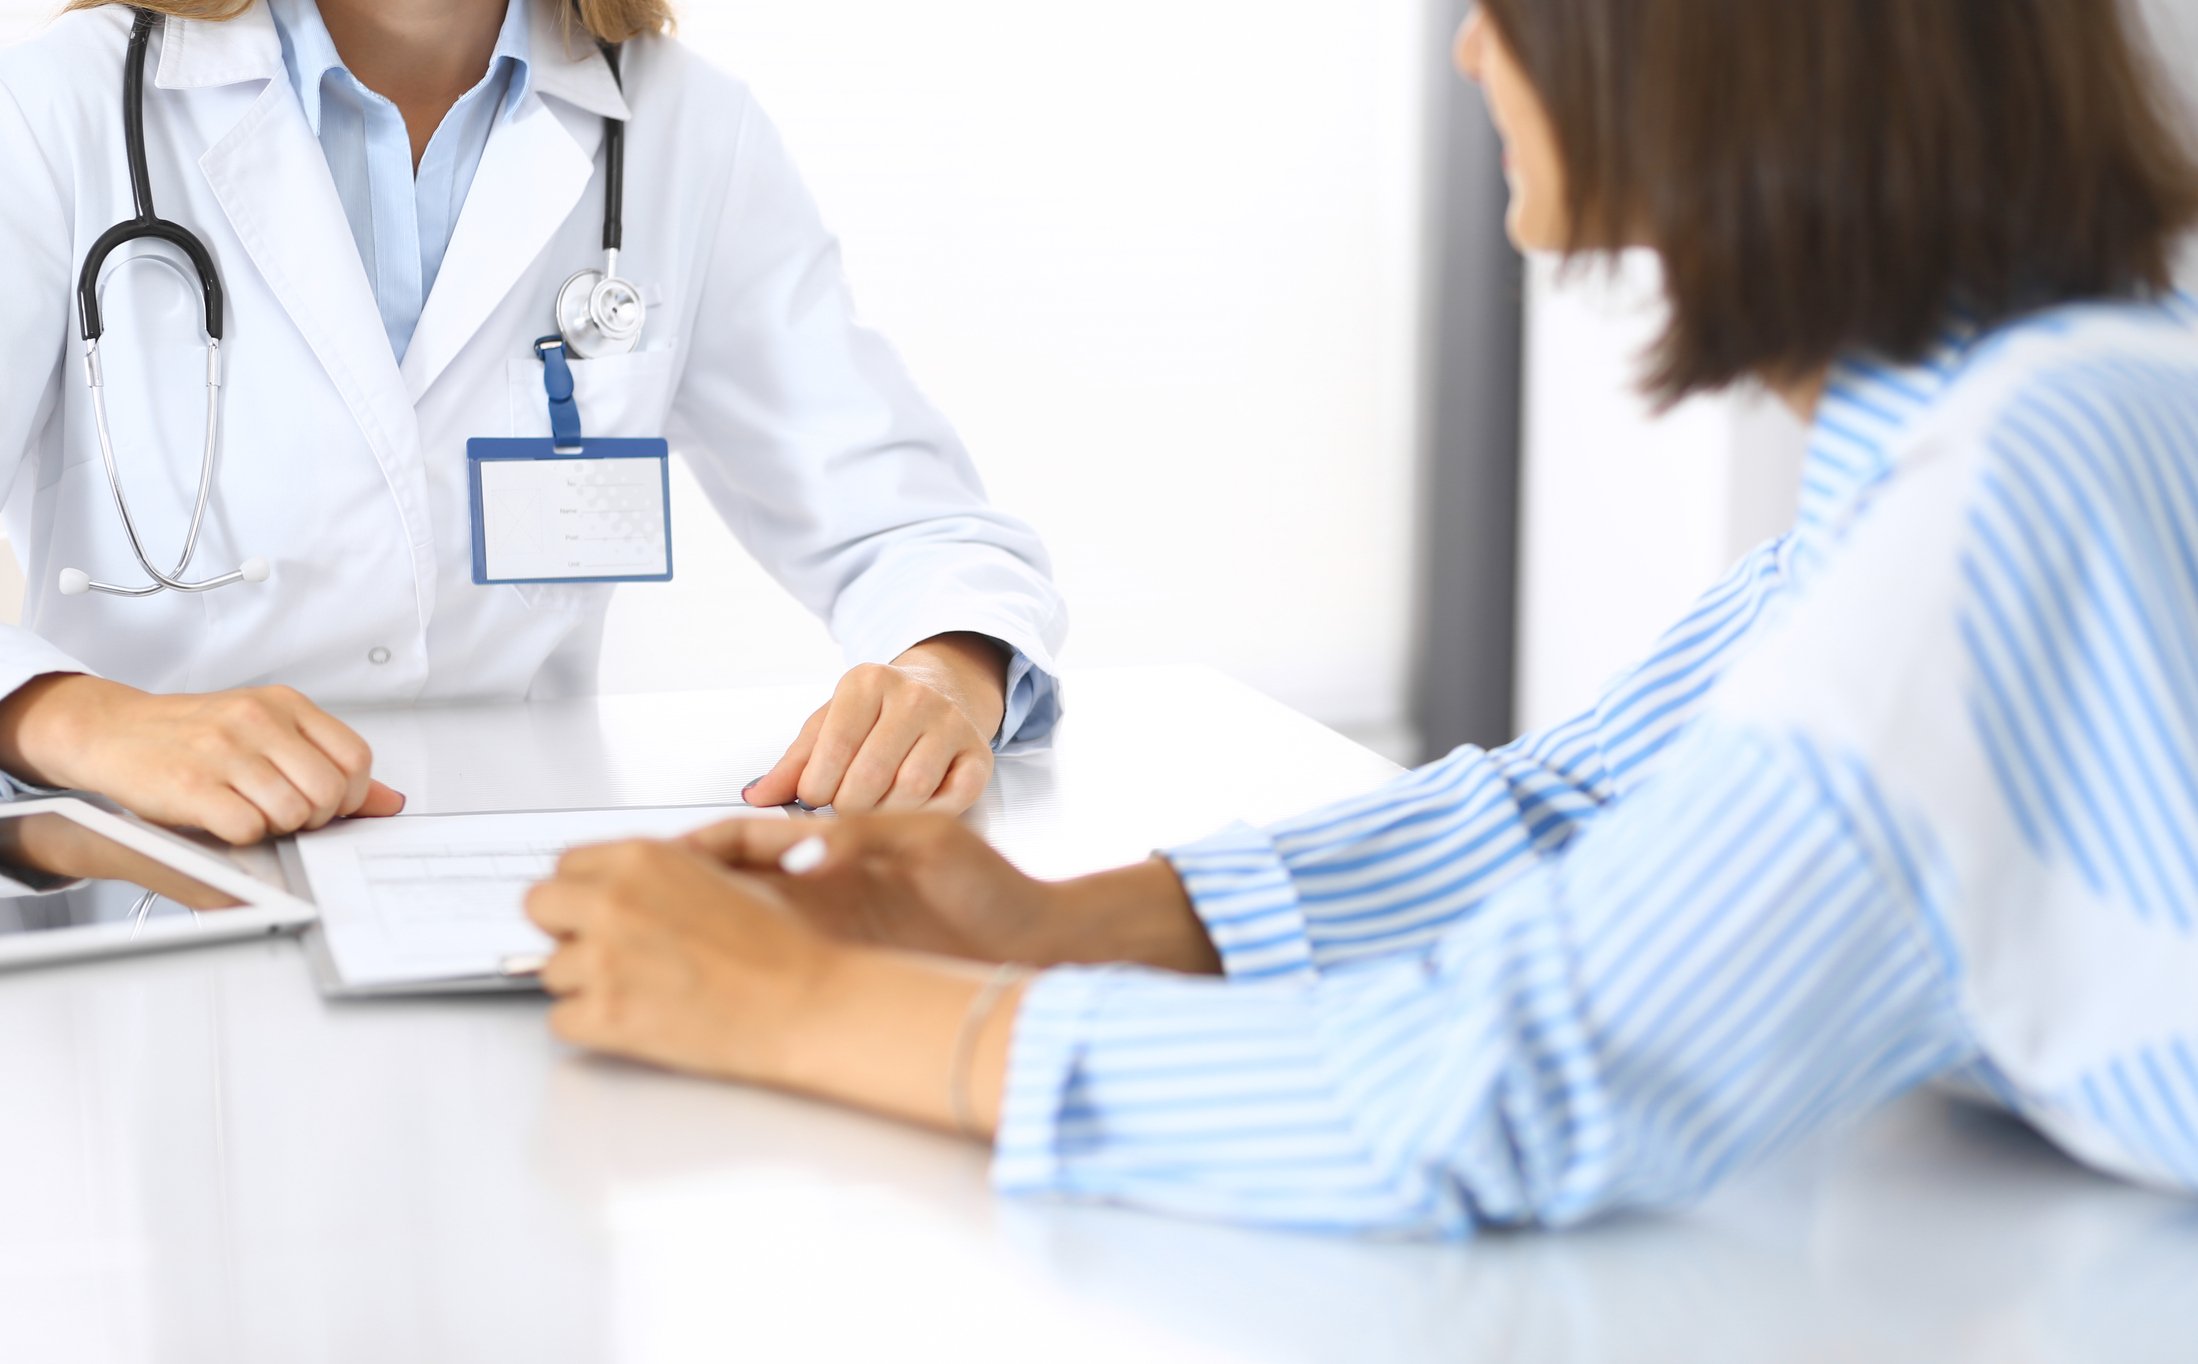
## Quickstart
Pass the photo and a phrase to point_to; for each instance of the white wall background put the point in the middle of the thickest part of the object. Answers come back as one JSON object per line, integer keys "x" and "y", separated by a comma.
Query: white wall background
{"x": 1628, "y": 514}
{"x": 1161, "y": 261}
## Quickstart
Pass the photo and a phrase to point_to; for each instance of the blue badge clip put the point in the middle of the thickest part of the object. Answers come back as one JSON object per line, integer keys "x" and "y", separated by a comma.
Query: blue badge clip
{"x": 564, "y": 412}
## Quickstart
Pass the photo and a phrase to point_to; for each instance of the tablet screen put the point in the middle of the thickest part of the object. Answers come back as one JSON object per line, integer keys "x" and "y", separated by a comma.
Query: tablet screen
{"x": 58, "y": 874}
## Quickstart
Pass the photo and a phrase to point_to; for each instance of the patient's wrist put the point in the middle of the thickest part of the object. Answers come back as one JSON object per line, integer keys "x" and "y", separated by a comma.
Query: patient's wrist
{"x": 876, "y": 1029}
{"x": 1137, "y": 914}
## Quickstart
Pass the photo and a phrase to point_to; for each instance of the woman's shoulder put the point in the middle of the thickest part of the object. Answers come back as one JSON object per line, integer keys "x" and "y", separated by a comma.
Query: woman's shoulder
{"x": 2068, "y": 452}
{"x": 685, "y": 85}
{"x": 57, "y": 57}
{"x": 2129, "y": 351}
{"x": 2070, "y": 435}
{"x": 67, "y": 80}
{"x": 2092, "y": 385}
{"x": 57, "y": 88}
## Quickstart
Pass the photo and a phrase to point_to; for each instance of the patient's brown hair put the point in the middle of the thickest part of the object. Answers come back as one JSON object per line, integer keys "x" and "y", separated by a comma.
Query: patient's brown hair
{"x": 1827, "y": 175}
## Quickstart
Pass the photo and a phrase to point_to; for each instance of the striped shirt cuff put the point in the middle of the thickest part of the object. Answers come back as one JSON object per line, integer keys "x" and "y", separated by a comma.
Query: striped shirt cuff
{"x": 1052, "y": 1029}
{"x": 1242, "y": 890}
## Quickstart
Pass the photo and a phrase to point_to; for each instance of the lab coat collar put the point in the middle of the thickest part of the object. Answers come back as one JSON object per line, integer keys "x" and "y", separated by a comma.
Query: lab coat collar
{"x": 567, "y": 64}
{"x": 198, "y": 54}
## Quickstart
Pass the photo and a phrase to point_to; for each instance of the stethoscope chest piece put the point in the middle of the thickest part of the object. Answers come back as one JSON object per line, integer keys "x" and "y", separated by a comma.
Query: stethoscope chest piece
{"x": 600, "y": 314}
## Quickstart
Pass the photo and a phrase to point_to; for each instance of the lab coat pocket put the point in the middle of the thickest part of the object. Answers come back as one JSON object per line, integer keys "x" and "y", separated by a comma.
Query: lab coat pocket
{"x": 626, "y": 396}
{"x": 619, "y": 395}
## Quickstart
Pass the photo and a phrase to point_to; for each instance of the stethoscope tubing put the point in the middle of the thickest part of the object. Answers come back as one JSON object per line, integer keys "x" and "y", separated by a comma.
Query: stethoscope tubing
{"x": 148, "y": 225}
{"x": 208, "y": 465}
{"x": 614, "y": 312}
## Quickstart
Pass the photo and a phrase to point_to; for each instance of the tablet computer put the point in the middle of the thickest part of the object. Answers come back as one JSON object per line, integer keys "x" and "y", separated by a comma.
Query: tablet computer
{"x": 80, "y": 879}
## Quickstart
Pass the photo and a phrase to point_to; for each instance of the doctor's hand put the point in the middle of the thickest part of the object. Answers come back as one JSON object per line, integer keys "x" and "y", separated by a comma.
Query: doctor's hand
{"x": 242, "y": 765}
{"x": 915, "y": 735}
{"x": 929, "y": 883}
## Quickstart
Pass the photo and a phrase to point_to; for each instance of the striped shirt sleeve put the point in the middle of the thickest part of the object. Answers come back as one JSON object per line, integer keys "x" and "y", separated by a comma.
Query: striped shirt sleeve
{"x": 1392, "y": 871}
{"x": 1741, "y": 955}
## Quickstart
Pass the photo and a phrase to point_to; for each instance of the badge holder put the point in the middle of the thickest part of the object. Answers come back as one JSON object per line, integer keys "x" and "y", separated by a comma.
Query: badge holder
{"x": 573, "y": 508}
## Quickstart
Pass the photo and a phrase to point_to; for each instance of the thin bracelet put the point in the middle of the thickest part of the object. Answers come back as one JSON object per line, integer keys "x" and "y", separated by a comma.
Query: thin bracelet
{"x": 981, "y": 1008}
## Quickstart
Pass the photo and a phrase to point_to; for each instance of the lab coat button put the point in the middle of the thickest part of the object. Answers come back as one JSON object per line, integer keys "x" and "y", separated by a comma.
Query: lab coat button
{"x": 377, "y": 655}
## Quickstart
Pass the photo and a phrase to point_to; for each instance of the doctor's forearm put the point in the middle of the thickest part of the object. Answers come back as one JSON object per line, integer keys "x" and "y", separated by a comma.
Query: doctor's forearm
{"x": 44, "y": 725}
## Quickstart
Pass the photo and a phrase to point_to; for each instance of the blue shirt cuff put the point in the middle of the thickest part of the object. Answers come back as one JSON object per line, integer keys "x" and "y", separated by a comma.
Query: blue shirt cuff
{"x": 14, "y": 788}
{"x": 1033, "y": 705}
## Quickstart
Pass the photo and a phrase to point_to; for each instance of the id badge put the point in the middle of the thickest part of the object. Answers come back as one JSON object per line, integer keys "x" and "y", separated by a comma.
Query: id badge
{"x": 597, "y": 511}
{"x": 573, "y": 508}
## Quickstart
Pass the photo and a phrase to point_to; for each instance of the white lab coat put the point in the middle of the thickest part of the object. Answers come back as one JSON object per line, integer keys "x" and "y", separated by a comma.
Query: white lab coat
{"x": 347, "y": 471}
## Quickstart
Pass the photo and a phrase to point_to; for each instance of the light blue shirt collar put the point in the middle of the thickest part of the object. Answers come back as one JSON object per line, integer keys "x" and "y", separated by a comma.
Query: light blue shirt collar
{"x": 309, "y": 53}
{"x": 403, "y": 210}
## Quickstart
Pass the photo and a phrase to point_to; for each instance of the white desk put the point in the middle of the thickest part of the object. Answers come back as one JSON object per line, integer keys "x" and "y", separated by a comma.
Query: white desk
{"x": 202, "y": 1160}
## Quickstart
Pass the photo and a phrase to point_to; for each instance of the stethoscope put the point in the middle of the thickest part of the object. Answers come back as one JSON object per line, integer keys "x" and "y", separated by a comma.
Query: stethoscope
{"x": 599, "y": 313}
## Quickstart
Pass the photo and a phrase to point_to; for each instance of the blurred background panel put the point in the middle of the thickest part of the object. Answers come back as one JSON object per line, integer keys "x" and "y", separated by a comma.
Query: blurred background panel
{"x": 2175, "y": 31}
{"x": 1218, "y": 295}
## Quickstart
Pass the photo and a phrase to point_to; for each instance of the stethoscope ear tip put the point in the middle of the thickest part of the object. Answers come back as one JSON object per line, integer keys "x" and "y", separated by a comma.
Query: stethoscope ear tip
{"x": 255, "y": 571}
{"x": 75, "y": 582}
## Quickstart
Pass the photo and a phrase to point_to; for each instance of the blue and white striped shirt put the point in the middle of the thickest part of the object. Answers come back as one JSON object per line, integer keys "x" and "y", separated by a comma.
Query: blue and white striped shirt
{"x": 1911, "y": 795}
